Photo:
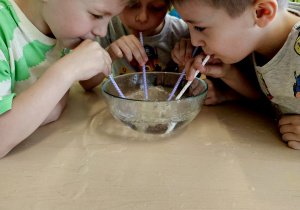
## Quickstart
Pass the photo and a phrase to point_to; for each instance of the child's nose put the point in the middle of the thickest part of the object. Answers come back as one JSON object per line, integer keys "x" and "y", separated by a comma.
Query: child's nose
{"x": 100, "y": 30}
{"x": 142, "y": 16}
{"x": 196, "y": 40}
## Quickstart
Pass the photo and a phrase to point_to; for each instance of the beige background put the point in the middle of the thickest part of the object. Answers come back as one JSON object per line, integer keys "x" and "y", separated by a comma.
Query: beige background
{"x": 229, "y": 157}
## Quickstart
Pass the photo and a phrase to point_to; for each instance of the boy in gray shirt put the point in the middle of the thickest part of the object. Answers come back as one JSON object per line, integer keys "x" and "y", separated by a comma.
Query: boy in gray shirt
{"x": 160, "y": 33}
{"x": 269, "y": 30}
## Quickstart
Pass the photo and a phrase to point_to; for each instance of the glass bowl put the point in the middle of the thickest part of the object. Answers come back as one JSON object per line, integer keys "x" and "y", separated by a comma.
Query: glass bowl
{"x": 155, "y": 115}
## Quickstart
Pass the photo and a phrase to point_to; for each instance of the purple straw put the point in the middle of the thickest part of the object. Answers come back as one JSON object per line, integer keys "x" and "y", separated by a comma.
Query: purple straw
{"x": 180, "y": 78}
{"x": 144, "y": 71}
{"x": 116, "y": 86}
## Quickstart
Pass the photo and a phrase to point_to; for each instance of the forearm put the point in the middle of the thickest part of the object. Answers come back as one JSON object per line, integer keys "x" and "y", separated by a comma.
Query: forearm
{"x": 232, "y": 95}
{"x": 32, "y": 107}
{"x": 238, "y": 82}
{"x": 93, "y": 82}
{"x": 56, "y": 112}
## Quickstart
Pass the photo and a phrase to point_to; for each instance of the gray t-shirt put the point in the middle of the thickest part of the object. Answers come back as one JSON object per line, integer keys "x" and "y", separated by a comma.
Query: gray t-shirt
{"x": 158, "y": 47}
{"x": 280, "y": 77}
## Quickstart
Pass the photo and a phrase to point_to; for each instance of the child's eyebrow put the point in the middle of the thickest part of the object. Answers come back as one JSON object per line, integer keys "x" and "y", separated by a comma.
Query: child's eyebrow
{"x": 194, "y": 21}
{"x": 104, "y": 12}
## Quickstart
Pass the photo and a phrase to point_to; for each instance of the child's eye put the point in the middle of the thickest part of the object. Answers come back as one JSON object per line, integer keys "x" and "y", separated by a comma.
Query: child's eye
{"x": 97, "y": 16}
{"x": 201, "y": 29}
{"x": 158, "y": 8}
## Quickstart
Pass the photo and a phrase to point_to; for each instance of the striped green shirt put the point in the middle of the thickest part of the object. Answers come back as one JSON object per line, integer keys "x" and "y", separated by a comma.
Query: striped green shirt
{"x": 25, "y": 53}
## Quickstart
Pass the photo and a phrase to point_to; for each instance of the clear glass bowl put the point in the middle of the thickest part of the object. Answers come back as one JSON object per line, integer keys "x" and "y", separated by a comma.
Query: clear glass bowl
{"x": 154, "y": 115}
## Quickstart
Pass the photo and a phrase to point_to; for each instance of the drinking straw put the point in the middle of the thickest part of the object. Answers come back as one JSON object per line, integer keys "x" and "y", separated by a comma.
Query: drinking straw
{"x": 190, "y": 82}
{"x": 116, "y": 86}
{"x": 144, "y": 70}
{"x": 181, "y": 76}
{"x": 172, "y": 125}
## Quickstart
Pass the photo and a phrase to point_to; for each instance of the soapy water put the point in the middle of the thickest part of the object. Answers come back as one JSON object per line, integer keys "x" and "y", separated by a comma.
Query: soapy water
{"x": 101, "y": 125}
{"x": 158, "y": 122}
{"x": 154, "y": 128}
{"x": 153, "y": 116}
{"x": 155, "y": 93}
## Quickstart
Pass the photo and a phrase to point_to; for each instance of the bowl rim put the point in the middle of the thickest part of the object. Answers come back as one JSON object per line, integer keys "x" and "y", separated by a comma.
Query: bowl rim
{"x": 128, "y": 99}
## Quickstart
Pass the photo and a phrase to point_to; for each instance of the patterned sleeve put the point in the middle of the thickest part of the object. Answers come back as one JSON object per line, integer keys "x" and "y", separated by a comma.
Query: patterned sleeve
{"x": 6, "y": 96}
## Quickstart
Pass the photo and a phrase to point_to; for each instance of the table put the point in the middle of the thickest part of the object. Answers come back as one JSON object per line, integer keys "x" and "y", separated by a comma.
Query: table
{"x": 229, "y": 157}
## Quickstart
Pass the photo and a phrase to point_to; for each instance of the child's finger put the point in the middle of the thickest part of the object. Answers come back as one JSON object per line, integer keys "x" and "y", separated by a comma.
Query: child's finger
{"x": 210, "y": 98}
{"x": 289, "y": 119}
{"x": 108, "y": 64}
{"x": 188, "y": 51}
{"x": 175, "y": 52}
{"x": 294, "y": 144}
{"x": 127, "y": 49}
{"x": 190, "y": 70}
{"x": 175, "y": 59}
{"x": 130, "y": 47}
{"x": 210, "y": 101}
{"x": 136, "y": 49}
{"x": 288, "y": 137}
{"x": 140, "y": 47}
{"x": 284, "y": 129}
{"x": 198, "y": 62}
{"x": 182, "y": 49}
{"x": 139, "y": 52}
{"x": 116, "y": 51}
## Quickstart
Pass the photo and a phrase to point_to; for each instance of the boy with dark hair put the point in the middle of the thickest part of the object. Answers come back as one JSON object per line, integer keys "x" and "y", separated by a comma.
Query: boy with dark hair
{"x": 268, "y": 31}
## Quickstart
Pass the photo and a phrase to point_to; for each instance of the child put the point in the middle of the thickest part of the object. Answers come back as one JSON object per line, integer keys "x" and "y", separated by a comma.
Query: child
{"x": 268, "y": 30}
{"x": 160, "y": 33}
{"x": 34, "y": 81}
{"x": 218, "y": 92}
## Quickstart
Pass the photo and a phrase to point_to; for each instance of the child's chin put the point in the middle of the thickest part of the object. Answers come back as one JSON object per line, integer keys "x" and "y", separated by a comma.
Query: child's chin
{"x": 72, "y": 45}
{"x": 136, "y": 32}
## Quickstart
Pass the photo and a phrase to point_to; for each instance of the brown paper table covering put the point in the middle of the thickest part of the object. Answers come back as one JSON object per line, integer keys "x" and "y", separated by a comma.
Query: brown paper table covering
{"x": 229, "y": 157}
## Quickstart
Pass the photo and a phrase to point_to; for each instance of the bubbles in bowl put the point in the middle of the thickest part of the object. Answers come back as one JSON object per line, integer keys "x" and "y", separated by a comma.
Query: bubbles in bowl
{"x": 155, "y": 93}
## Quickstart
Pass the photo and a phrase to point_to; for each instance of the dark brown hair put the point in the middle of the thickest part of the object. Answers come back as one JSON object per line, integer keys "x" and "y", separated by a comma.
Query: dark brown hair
{"x": 132, "y": 2}
{"x": 233, "y": 7}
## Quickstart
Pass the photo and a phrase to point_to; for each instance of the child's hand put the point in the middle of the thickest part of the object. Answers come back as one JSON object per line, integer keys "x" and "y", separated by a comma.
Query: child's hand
{"x": 215, "y": 95}
{"x": 87, "y": 60}
{"x": 216, "y": 92}
{"x": 228, "y": 73}
{"x": 129, "y": 47}
{"x": 182, "y": 52}
{"x": 289, "y": 126}
{"x": 213, "y": 67}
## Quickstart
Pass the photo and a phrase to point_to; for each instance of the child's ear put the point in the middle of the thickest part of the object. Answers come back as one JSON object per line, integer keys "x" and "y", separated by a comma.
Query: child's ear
{"x": 265, "y": 12}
